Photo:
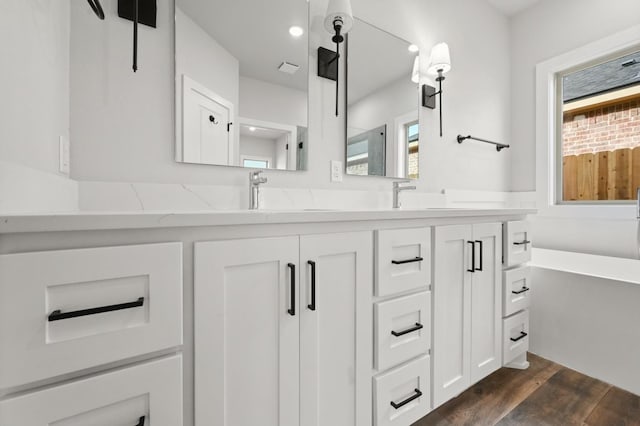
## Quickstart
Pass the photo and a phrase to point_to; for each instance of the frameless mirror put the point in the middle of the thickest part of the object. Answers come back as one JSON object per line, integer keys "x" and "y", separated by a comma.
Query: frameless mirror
{"x": 382, "y": 104}
{"x": 241, "y": 83}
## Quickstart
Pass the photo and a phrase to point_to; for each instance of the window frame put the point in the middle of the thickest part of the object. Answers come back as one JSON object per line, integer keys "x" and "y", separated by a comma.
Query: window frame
{"x": 549, "y": 129}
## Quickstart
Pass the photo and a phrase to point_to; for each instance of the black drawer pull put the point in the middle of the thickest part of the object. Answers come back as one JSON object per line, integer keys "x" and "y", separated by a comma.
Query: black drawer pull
{"x": 481, "y": 254}
{"x": 312, "y": 306}
{"x": 141, "y": 421}
{"x": 417, "y": 395}
{"x": 409, "y": 330}
{"x": 402, "y": 262}
{"x": 524, "y": 290}
{"x": 522, "y": 336}
{"x": 522, "y": 243}
{"x": 59, "y": 315}
{"x": 292, "y": 309}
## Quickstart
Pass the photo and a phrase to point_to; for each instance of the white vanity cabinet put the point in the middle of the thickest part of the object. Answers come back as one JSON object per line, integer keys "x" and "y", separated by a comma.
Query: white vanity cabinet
{"x": 283, "y": 331}
{"x": 467, "y": 296}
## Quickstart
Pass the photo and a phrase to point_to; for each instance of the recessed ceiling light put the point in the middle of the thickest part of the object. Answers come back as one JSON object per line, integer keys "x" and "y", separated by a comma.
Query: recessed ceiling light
{"x": 252, "y": 129}
{"x": 413, "y": 48}
{"x": 296, "y": 31}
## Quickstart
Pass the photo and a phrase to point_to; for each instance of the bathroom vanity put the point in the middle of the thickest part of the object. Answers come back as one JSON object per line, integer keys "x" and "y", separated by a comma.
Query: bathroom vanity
{"x": 256, "y": 317}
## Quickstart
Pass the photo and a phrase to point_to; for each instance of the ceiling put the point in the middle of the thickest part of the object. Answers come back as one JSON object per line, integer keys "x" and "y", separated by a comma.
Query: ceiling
{"x": 242, "y": 25}
{"x": 512, "y": 7}
{"x": 376, "y": 59}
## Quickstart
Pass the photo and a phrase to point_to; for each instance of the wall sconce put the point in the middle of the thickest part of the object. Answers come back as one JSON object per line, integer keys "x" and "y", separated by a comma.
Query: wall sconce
{"x": 440, "y": 65}
{"x": 338, "y": 21}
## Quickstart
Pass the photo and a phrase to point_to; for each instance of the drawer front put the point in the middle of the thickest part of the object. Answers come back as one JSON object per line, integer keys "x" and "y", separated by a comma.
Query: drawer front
{"x": 403, "y": 329}
{"x": 515, "y": 335}
{"x": 517, "y": 243}
{"x": 403, "y": 395}
{"x": 403, "y": 260}
{"x": 148, "y": 394}
{"x": 65, "y": 311}
{"x": 516, "y": 291}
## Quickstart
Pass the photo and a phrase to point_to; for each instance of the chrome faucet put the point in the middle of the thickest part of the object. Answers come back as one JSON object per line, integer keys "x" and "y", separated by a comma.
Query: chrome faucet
{"x": 638, "y": 205}
{"x": 255, "y": 180}
{"x": 396, "y": 191}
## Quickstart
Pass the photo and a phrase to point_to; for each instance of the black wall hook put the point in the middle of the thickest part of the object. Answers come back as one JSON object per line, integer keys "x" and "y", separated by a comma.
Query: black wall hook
{"x": 97, "y": 8}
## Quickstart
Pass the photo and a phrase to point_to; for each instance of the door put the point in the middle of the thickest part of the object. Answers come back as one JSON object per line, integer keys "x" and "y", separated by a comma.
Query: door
{"x": 207, "y": 117}
{"x": 486, "y": 301}
{"x": 336, "y": 323}
{"x": 247, "y": 332}
{"x": 452, "y": 307}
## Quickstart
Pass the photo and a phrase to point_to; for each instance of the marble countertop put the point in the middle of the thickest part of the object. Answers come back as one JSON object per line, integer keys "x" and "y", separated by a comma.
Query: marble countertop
{"x": 81, "y": 221}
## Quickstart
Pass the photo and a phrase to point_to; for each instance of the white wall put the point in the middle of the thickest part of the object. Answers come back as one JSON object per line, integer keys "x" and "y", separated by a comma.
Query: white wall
{"x": 123, "y": 123}
{"x": 262, "y": 147}
{"x": 264, "y": 101}
{"x": 546, "y": 30}
{"x": 34, "y": 106}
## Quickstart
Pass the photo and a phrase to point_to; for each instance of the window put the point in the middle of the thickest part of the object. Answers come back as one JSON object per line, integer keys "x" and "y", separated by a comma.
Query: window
{"x": 599, "y": 131}
{"x": 254, "y": 163}
{"x": 412, "y": 130}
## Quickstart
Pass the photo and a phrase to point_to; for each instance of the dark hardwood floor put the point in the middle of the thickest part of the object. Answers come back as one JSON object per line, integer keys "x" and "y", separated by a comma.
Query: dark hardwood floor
{"x": 546, "y": 394}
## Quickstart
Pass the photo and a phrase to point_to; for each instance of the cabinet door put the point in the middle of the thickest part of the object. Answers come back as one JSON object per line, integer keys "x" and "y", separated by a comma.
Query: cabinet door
{"x": 452, "y": 306}
{"x": 335, "y": 325}
{"x": 486, "y": 301}
{"x": 246, "y": 333}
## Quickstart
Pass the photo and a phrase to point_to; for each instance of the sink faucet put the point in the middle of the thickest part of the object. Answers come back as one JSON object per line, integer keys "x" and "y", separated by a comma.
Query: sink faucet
{"x": 255, "y": 180}
{"x": 396, "y": 191}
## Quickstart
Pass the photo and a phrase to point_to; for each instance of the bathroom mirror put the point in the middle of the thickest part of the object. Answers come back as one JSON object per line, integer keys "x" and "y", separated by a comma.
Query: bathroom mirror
{"x": 382, "y": 104}
{"x": 241, "y": 83}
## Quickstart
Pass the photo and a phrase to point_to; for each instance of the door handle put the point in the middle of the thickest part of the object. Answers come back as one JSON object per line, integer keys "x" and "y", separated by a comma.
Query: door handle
{"x": 417, "y": 395}
{"x": 292, "y": 309}
{"x": 473, "y": 256}
{"x": 481, "y": 256}
{"x": 524, "y": 289}
{"x": 141, "y": 421}
{"x": 58, "y": 315}
{"x": 312, "y": 306}
{"x": 522, "y": 243}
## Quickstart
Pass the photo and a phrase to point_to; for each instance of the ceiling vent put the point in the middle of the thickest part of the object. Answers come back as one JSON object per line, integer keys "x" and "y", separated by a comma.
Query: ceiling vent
{"x": 288, "y": 68}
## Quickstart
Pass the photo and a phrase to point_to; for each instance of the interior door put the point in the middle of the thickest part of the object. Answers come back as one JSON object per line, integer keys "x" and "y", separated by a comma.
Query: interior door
{"x": 452, "y": 308}
{"x": 247, "y": 336}
{"x": 207, "y": 119}
{"x": 336, "y": 323}
{"x": 486, "y": 301}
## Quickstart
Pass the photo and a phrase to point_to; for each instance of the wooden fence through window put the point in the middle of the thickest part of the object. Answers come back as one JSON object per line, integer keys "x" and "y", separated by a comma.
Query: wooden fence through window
{"x": 607, "y": 175}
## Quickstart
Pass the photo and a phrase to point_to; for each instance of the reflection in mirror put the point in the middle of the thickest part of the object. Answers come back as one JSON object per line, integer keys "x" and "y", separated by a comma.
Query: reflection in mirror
{"x": 382, "y": 104}
{"x": 241, "y": 83}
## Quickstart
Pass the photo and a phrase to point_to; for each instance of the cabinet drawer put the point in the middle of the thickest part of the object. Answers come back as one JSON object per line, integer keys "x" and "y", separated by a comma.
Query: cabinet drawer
{"x": 403, "y": 395}
{"x": 403, "y": 329}
{"x": 403, "y": 260}
{"x": 516, "y": 294}
{"x": 515, "y": 334}
{"x": 149, "y": 394}
{"x": 517, "y": 243}
{"x": 65, "y": 311}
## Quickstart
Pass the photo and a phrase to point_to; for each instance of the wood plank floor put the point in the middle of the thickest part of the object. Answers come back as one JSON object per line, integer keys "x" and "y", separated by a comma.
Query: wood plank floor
{"x": 546, "y": 394}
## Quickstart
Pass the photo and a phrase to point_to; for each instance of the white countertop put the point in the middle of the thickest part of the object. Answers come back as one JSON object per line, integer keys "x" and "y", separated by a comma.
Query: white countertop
{"x": 81, "y": 221}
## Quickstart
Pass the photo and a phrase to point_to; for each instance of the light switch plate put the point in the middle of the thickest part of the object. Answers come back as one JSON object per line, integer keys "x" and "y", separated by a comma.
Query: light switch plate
{"x": 65, "y": 156}
{"x": 336, "y": 171}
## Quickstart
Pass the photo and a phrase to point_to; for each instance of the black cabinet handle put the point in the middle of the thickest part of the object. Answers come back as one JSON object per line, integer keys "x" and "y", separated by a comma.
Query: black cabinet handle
{"x": 473, "y": 256}
{"x": 524, "y": 289}
{"x": 522, "y": 336}
{"x": 292, "y": 309}
{"x": 58, "y": 315}
{"x": 402, "y": 262}
{"x": 522, "y": 243}
{"x": 417, "y": 395}
{"x": 481, "y": 255}
{"x": 141, "y": 421}
{"x": 407, "y": 331}
{"x": 312, "y": 306}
